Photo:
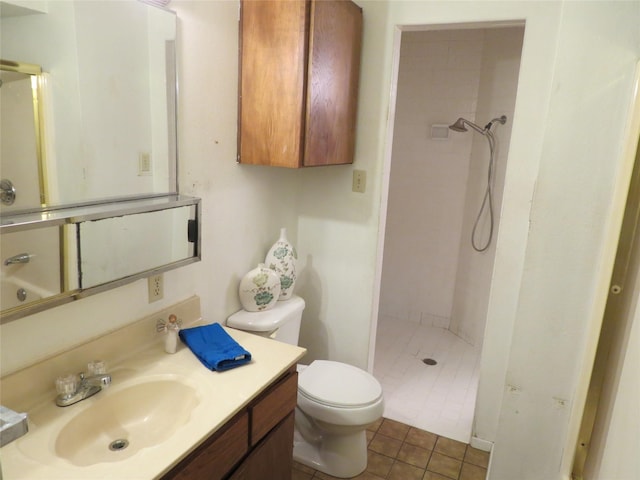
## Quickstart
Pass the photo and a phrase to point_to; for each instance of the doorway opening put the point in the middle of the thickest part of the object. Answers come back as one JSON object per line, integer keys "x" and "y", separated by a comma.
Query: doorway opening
{"x": 435, "y": 283}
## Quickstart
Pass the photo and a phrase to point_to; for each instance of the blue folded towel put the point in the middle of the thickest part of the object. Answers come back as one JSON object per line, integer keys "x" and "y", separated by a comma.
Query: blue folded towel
{"x": 214, "y": 347}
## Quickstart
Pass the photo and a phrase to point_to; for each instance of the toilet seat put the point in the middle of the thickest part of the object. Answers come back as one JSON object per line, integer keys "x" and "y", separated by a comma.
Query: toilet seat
{"x": 338, "y": 385}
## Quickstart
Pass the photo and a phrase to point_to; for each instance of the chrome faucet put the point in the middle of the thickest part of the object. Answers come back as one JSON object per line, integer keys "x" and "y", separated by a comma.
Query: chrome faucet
{"x": 75, "y": 388}
{"x": 20, "y": 258}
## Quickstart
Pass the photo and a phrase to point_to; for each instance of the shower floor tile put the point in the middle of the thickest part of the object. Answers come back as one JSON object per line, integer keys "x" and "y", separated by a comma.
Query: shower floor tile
{"x": 438, "y": 398}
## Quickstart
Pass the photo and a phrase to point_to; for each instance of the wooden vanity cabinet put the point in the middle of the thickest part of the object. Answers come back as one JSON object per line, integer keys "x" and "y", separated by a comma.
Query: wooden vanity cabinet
{"x": 298, "y": 82}
{"x": 265, "y": 461}
{"x": 256, "y": 444}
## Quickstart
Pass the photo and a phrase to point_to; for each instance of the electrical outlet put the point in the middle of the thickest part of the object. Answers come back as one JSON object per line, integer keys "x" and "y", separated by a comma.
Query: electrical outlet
{"x": 359, "y": 181}
{"x": 156, "y": 287}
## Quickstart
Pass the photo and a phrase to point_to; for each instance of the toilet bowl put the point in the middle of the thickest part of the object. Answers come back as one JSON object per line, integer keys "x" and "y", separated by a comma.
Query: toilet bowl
{"x": 336, "y": 401}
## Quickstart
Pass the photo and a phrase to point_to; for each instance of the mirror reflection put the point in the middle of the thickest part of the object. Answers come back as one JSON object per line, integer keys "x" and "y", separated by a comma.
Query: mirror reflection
{"x": 54, "y": 257}
{"x": 31, "y": 266}
{"x": 20, "y": 133}
{"x": 105, "y": 100}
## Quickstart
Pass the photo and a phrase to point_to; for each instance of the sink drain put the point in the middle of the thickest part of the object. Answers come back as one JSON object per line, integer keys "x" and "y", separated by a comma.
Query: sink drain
{"x": 429, "y": 361}
{"x": 118, "y": 445}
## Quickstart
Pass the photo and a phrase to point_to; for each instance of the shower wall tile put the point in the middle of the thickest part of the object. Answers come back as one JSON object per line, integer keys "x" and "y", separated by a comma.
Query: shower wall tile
{"x": 470, "y": 34}
{"x": 430, "y": 35}
{"x": 447, "y": 152}
{"x": 445, "y": 35}
{"x": 465, "y": 105}
{"x": 497, "y": 93}
{"x": 433, "y": 55}
{"x": 438, "y": 82}
{"x": 453, "y": 83}
{"x": 430, "y": 320}
{"x": 465, "y": 55}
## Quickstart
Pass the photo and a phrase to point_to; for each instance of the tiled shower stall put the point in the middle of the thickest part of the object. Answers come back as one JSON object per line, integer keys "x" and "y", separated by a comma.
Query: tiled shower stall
{"x": 435, "y": 288}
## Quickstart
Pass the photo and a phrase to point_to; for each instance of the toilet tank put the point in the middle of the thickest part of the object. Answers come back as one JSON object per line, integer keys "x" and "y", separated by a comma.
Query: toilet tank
{"x": 281, "y": 322}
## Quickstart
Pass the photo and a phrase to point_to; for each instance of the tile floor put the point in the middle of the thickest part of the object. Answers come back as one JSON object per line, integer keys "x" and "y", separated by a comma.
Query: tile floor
{"x": 439, "y": 398}
{"x": 401, "y": 452}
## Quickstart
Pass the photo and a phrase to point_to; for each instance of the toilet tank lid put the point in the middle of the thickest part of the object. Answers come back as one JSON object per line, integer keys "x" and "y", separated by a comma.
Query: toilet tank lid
{"x": 267, "y": 320}
{"x": 338, "y": 384}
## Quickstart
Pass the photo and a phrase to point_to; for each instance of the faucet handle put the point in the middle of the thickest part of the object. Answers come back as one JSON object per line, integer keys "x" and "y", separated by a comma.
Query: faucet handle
{"x": 67, "y": 385}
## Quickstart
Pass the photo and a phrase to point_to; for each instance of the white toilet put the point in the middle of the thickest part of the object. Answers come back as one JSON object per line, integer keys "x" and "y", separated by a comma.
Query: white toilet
{"x": 336, "y": 401}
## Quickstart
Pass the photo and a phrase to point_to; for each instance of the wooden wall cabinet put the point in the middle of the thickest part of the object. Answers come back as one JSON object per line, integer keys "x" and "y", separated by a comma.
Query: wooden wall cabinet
{"x": 298, "y": 82}
{"x": 257, "y": 443}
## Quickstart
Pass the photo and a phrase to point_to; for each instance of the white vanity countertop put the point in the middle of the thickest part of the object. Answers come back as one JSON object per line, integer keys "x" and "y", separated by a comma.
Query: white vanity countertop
{"x": 221, "y": 395}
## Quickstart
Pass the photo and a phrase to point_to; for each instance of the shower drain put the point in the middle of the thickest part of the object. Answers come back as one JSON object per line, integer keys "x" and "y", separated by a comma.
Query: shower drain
{"x": 118, "y": 445}
{"x": 429, "y": 361}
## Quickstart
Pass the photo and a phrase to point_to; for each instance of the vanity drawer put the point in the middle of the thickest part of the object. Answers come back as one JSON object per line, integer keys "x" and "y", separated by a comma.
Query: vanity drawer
{"x": 273, "y": 406}
{"x": 218, "y": 455}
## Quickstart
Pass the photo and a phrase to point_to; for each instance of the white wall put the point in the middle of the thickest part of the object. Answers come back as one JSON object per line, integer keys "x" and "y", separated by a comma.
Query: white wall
{"x": 438, "y": 82}
{"x": 569, "y": 254}
{"x": 497, "y": 96}
{"x": 337, "y": 228}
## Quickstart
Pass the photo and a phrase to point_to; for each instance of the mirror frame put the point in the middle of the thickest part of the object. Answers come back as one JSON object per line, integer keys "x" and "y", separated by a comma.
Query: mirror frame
{"x": 82, "y": 213}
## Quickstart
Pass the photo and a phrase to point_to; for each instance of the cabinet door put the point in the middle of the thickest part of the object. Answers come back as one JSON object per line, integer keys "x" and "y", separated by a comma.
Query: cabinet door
{"x": 273, "y": 59}
{"x": 272, "y": 458}
{"x": 217, "y": 456}
{"x": 273, "y": 407}
{"x": 334, "y": 71}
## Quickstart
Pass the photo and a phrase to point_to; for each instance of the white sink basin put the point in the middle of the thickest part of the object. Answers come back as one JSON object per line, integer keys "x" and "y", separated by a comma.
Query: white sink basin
{"x": 120, "y": 424}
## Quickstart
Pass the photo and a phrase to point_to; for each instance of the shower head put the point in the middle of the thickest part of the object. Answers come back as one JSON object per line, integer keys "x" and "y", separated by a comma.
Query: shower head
{"x": 461, "y": 126}
{"x": 458, "y": 126}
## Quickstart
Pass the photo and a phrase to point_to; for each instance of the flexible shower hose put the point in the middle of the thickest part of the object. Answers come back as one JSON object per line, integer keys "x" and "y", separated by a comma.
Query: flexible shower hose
{"x": 487, "y": 200}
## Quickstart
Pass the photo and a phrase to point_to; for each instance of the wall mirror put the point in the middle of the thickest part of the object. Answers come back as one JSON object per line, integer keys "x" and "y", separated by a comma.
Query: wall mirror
{"x": 21, "y": 152}
{"x": 57, "y": 256}
{"x": 103, "y": 74}
{"x": 135, "y": 243}
{"x": 88, "y": 151}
